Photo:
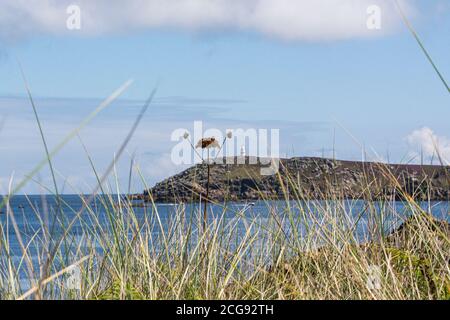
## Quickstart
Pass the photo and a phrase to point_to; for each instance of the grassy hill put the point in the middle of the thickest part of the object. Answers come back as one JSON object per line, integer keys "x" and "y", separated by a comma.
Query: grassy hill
{"x": 306, "y": 177}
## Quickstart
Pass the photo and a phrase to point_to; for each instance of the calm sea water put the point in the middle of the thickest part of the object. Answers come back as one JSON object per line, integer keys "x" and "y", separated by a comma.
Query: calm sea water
{"x": 28, "y": 210}
{"x": 31, "y": 212}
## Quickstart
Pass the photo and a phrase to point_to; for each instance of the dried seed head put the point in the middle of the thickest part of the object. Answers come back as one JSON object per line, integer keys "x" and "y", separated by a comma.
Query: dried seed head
{"x": 207, "y": 143}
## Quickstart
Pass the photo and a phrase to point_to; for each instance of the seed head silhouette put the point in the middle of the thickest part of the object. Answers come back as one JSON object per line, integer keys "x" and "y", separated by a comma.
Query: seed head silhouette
{"x": 207, "y": 143}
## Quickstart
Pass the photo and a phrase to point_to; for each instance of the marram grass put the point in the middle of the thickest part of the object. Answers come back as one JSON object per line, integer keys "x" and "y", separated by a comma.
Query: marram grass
{"x": 304, "y": 250}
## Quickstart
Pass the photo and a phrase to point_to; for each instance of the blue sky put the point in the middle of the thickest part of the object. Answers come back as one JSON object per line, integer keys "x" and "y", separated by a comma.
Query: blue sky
{"x": 307, "y": 82}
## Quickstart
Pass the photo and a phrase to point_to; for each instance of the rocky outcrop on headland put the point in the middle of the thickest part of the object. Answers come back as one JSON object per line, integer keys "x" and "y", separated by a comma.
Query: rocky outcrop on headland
{"x": 306, "y": 178}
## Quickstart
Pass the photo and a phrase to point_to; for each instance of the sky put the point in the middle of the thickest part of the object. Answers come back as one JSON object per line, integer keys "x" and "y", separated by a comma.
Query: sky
{"x": 312, "y": 69}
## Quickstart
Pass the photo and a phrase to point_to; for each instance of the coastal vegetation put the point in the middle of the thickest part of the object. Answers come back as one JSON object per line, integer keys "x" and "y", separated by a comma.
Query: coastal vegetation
{"x": 302, "y": 249}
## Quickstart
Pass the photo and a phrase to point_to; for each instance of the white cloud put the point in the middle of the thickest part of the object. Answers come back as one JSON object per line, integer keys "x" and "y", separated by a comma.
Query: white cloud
{"x": 426, "y": 140}
{"x": 285, "y": 19}
{"x": 159, "y": 167}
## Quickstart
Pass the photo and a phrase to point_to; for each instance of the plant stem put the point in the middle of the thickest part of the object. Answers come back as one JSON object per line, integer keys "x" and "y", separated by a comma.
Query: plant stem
{"x": 205, "y": 208}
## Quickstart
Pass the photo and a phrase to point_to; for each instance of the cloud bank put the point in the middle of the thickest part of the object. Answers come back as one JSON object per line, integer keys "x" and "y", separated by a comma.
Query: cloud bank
{"x": 296, "y": 20}
{"x": 430, "y": 144}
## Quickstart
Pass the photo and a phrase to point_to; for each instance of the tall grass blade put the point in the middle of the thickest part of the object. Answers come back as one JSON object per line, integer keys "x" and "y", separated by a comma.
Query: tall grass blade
{"x": 416, "y": 37}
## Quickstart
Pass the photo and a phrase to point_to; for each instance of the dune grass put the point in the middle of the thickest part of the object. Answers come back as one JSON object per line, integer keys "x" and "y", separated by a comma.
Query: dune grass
{"x": 300, "y": 250}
